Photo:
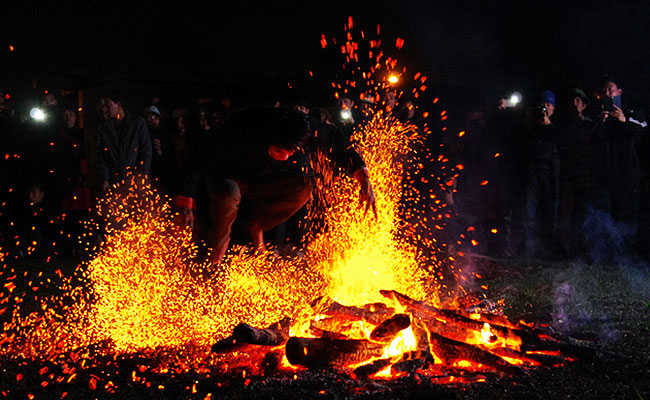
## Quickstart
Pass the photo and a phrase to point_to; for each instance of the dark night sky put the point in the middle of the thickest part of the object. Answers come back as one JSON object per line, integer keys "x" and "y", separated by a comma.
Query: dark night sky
{"x": 474, "y": 45}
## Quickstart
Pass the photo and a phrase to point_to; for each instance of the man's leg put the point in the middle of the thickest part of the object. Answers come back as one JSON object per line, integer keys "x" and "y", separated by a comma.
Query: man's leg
{"x": 273, "y": 202}
{"x": 225, "y": 197}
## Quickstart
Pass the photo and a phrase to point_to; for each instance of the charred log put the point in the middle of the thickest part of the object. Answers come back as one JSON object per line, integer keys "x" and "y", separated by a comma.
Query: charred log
{"x": 244, "y": 334}
{"x": 274, "y": 335}
{"x": 365, "y": 371}
{"x": 325, "y": 334}
{"x": 369, "y": 314}
{"x": 450, "y": 331}
{"x": 379, "y": 307}
{"x": 409, "y": 366}
{"x": 424, "y": 310}
{"x": 387, "y": 330}
{"x": 227, "y": 345}
{"x": 451, "y": 351}
{"x": 325, "y": 353}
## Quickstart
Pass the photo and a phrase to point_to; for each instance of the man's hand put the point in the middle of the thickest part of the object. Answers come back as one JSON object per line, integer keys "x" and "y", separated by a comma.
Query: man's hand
{"x": 366, "y": 194}
{"x": 184, "y": 207}
{"x": 105, "y": 186}
{"x": 618, "y": 114}
{"x": 157, "y": 146}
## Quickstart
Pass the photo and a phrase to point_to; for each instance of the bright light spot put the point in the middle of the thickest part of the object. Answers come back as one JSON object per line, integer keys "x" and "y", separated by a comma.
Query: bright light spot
{"x": 515, "y": 98}
{"x": 37, "y": 114}
{"x": 393, "y": 79}
{"x": 346, "y": 115}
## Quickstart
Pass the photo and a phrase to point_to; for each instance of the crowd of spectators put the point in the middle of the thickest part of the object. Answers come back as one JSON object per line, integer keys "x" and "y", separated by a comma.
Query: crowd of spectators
{"x": 566, "y": 174}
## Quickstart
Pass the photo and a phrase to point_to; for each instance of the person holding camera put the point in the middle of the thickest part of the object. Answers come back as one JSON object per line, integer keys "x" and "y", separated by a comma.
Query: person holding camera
{"x": 541, "y": 178}
{"x": 619, "y": 130}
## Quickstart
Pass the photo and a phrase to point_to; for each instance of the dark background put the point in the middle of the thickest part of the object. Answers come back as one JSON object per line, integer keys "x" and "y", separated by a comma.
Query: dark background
{"x": 477, "y": 50}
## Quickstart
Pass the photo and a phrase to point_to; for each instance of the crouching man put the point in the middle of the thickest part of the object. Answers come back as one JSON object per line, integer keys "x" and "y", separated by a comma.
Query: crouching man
{"x": 249, "y": 176}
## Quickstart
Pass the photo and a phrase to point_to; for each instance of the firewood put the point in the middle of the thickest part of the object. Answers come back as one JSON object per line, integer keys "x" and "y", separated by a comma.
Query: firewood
{"x": 372, "y": 368}
{"x": 451, "y": 351}
{"x": 227, "y": 345}
{"x": 543, "y": 359}
{"x": 322, "y": 333}
{"x": 387, "y": 330}
{"x": 379, "y": 307}
{"x": 373, "y": 317}
{"x": 243, "y": 334}
{"x": 327, "y": 353}
{"x": 450, "y": 331}
{"x": 421, "y": 309}
{"x": 327, "y": 306}
{"x": 274, "y": 335}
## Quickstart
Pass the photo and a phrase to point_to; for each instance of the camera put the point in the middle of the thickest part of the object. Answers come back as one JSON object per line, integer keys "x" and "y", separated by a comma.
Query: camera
{"x": 607, "y": 103}
{"x": 537, "y": 112}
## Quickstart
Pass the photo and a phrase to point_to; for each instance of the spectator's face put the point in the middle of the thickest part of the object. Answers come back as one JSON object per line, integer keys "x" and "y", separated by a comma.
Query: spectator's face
{"x": 579, "y": 104}
{"x": 203, "y": 120}
{"x": 110, "y": 109}
{"x": 35, "y": 194}
{"x": 391, "y": 100}
{"x": 549, "y": 108}
{"x": 302, "y": 108}
{"x": 280, "y": 154}
{"x": 69, "y": 118}
{"x": 611, "y": 90}
{"x": 152, "y": 119}
{"x": 49, "y": 100}
{"x": 181, "y": 123}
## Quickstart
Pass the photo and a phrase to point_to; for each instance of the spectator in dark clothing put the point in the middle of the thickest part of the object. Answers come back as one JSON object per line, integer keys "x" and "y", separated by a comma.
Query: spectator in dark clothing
{"x": 618, "y": 131}
{"x": 124, "y": 144}
{"x": 541, "y": 178}
{"x": 71, "y": 173}
{"x": 506, "y": 146}
{"x": 576, "y": 146}
{"x": 156, "y": 132}
{"x": 33, "y": 228}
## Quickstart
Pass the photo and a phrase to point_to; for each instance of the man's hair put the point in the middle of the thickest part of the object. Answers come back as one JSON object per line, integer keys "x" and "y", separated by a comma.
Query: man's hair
{"x": 116, "y": 95}
{"x": 610, "y": 78}
{"x": 287, "y": 128}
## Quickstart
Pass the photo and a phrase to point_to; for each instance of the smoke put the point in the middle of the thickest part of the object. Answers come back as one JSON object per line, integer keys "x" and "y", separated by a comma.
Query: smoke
{"x": 591, "y": 301}
{"x": 607, "y": 240}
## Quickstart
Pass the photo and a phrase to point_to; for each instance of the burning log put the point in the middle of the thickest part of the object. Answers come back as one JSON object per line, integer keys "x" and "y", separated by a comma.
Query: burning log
{"x": 387, "y": 330}
{"x": 244, "y": 334}
{"x": 337, "y": 353}
{"x": 375, "y": 313}
{"x": 227, "y": 345}
{"x": 325, "y": 334}
{"x": 366, "y": 370}
{"x": 274, "y": 335}
{"x": 451, "y": 351}
{"x": 424, "y": 310}
{"x": 450, "y": 331}
{"x": 533, "y": 359}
